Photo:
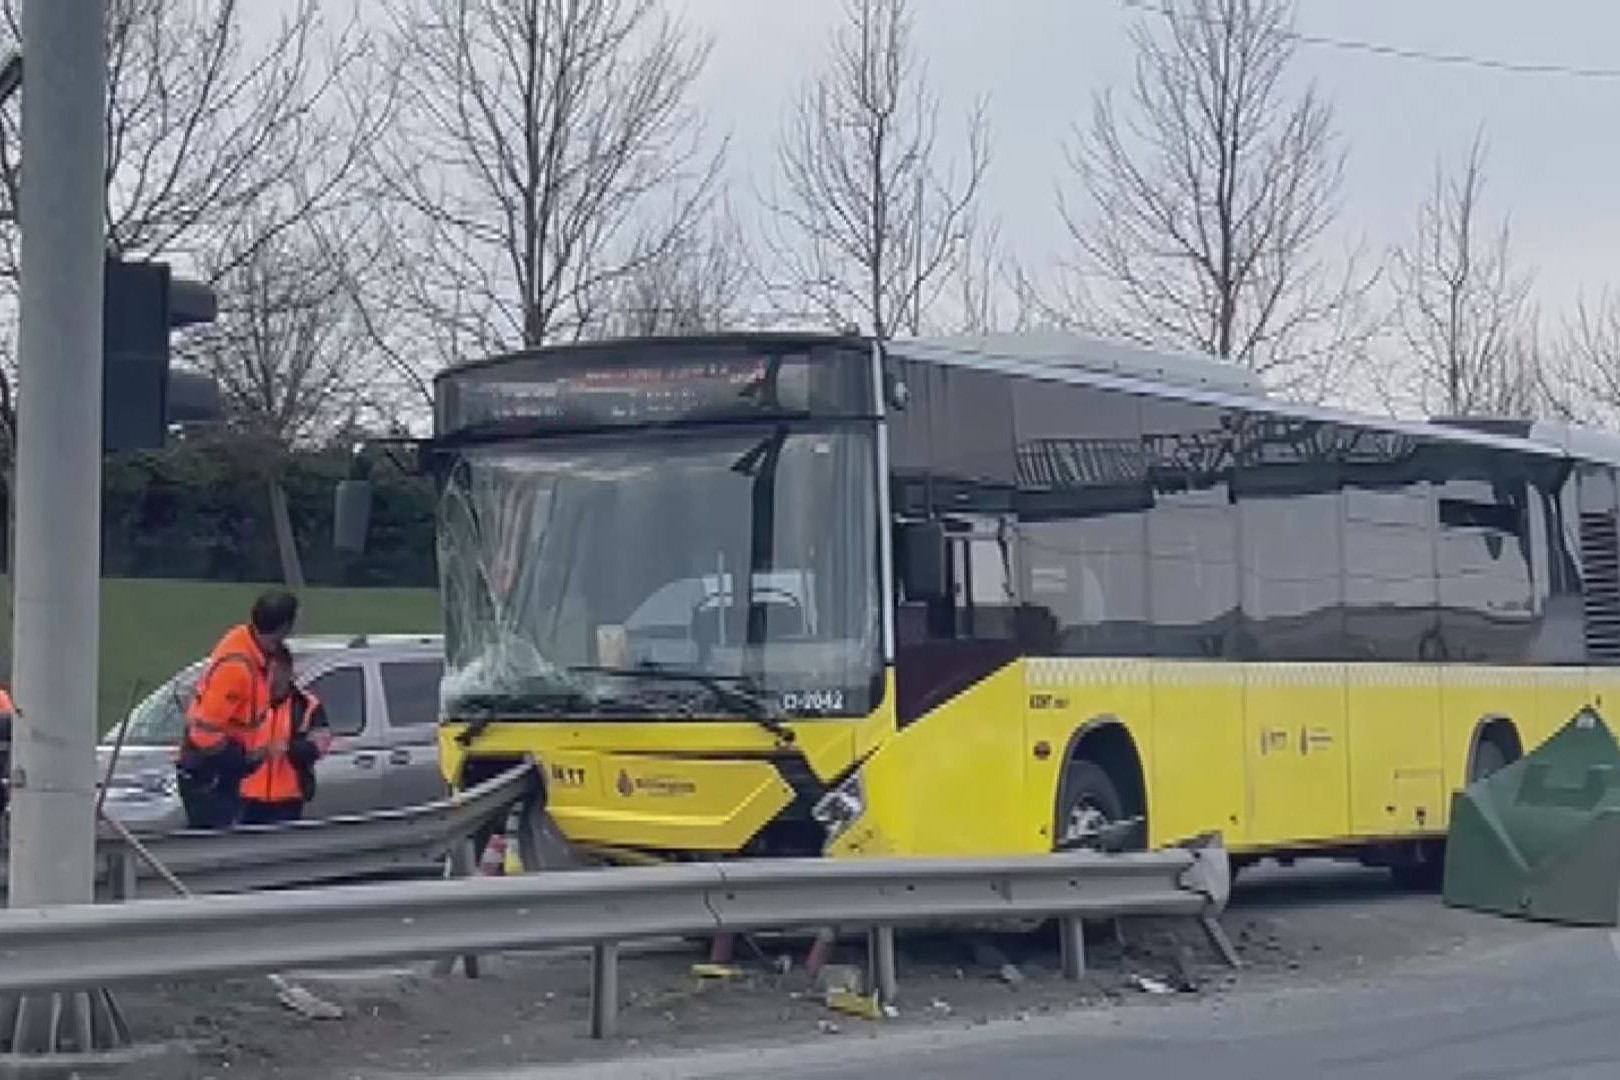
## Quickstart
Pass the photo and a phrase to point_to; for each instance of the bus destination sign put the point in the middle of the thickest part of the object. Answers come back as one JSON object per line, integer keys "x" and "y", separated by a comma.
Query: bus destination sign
{"x": 635, "y": 394}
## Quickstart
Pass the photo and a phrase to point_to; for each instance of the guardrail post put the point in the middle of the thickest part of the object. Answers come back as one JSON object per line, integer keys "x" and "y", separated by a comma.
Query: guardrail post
{"x": 1072, "y": 941}
{"x": 604, "y": 989}
{"x": 122, "y": 870}
{"x": 880, "y": 951}
{"x": 1218, "y": 939}
{"x": 461, "y": 862}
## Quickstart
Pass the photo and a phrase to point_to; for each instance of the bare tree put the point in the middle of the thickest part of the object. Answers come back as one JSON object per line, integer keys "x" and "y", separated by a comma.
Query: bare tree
{"x": 869, "y": 222}
{"x": 977, "y": 277}
{"x": 1581, "y": 379}
{"x": 994, "y": 291}
{"x": 1463, "y": 307}
{"x": 201, "y": 128}
{"x": 287, "y": 349}
{"x": 546, "y": 151}
{"x": 696, "y": 283}
{"x": 1208, "y": 198}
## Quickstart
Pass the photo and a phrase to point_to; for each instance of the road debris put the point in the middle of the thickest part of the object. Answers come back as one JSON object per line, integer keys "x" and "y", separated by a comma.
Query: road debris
{"x": 717, "y": 971}
{"x": 865, "y": 1006}
{"x": 990, "y": 957}
{"x": 1149, "y": 985}
{"x": 1186, "y": 979}
{"x": 839, "y": 977}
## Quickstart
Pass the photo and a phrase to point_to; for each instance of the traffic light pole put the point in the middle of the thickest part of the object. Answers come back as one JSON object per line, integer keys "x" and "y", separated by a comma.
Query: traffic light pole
{"x": 56, "y": 574}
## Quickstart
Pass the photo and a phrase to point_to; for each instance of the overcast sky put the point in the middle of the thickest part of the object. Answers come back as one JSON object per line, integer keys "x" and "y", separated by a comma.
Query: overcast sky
{"x": 1554, "y": 152}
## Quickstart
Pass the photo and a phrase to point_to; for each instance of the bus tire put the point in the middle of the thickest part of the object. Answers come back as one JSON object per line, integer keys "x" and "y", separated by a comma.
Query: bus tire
{"x": 1489, "y": 757}
{"x": 1088, "y": 798}
{"x": 1424, "y": 870}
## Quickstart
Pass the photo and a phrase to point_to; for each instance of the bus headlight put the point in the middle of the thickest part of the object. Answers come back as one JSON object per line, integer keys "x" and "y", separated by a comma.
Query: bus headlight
{"x": 841, "y": 807}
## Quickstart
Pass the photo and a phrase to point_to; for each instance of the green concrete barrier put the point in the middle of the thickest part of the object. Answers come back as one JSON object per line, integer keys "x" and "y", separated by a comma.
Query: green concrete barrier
{"x": 1540, "y": 839}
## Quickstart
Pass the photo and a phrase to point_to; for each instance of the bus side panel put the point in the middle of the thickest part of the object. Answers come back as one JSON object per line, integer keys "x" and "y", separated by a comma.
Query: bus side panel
{"x": 1536, "y": 701}
{"x": 1603, "y": 690}
{"x": 1195, "y": 783}
{"x": 1470, "y": 696}
{"x": 1069, "y": 696}
{"x": 949, "y": 783}
{"x": 1561, "y": 692}
{"x": 1296, "y": 754}
{"x": 1396, "y": 758}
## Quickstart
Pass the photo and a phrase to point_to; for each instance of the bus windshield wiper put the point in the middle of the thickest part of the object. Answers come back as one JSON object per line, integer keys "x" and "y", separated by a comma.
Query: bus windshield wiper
{"x": 739, "y": 691}
{"x": 487, "y": 708}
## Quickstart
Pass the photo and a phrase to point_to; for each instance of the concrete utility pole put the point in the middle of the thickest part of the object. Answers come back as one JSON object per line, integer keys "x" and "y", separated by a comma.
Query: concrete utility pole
{"x": 57, "y": 571}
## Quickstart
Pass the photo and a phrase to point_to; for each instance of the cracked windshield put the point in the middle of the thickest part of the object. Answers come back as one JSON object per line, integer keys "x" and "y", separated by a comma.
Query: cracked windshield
{"x": 729, "y": 574}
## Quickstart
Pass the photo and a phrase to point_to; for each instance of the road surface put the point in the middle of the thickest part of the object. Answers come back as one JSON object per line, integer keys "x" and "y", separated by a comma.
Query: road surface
{"x": 1546, "y": 1007}
{"x": 1345, "y": 977}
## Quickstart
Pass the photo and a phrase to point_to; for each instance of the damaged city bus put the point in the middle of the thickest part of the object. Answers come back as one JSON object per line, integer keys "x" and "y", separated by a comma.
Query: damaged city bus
{"x": 775, "y": 594}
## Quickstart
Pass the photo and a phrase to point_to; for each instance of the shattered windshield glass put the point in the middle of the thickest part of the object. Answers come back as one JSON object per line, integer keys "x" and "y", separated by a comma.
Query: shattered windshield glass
{"x": 706, "y": 574}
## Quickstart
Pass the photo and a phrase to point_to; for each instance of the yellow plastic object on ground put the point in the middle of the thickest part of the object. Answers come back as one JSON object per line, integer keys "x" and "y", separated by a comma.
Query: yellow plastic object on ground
{"x": 865, "y": 1006}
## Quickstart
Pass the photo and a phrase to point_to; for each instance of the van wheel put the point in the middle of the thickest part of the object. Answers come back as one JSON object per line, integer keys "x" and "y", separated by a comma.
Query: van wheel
{"x": 1088, "y": 803}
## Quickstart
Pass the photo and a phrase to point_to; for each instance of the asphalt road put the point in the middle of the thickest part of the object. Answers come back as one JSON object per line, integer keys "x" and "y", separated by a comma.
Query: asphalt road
{"x": 1547, "y": 1007}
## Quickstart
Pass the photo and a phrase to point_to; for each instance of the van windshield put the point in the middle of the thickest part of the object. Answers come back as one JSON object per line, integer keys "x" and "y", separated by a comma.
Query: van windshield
{"x": 160, "y": 718}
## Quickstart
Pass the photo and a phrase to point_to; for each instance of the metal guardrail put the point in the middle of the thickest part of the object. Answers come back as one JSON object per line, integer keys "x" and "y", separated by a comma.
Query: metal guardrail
{"x": 305, "y": 853}
{"x": 97, "y": 945}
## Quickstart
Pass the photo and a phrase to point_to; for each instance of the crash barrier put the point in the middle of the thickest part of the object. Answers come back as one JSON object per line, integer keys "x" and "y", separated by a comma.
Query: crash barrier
{"x": 1540, "y": 839}
{"x": 306, "y": 853}
{"x": 89, "y": 946}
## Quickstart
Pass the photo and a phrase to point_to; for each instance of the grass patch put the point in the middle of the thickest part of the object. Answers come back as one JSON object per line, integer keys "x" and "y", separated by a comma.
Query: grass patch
{"x": 151, "y": 628}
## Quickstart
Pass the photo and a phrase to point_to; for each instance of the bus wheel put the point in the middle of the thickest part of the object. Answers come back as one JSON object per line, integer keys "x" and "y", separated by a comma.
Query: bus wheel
{"x": 1423, "y": 869}
{"x": 1489, "y": 758}
{"x": 1089, "y": 805}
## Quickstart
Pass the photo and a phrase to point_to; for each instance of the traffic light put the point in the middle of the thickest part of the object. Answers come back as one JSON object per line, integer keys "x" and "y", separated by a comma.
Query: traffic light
{"x": 142, "y": 304}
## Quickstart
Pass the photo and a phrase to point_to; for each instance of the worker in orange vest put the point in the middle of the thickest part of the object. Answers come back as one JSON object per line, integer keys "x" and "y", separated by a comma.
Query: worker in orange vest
{"x": 286, "y": 745}
{"x": 231, "y": 702}
{"x": 7, "y": 713}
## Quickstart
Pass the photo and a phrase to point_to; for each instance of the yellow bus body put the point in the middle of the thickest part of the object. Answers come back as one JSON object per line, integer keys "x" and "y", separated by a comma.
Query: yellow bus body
{"x": 1270, "y": 756}
{"x": 1296, "y": 628}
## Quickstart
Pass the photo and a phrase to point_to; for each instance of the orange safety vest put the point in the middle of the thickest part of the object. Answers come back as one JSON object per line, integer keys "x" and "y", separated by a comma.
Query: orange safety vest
{"x": 276, "y": 779}
{"x": 231, "y": 695}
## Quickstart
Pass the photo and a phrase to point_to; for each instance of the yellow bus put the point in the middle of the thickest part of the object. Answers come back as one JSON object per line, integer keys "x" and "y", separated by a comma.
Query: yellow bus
{"x": 791, "y": 595}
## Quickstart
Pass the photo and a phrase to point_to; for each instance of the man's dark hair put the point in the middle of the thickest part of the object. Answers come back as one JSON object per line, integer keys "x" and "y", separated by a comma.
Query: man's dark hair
{"x": 274, "y": 612}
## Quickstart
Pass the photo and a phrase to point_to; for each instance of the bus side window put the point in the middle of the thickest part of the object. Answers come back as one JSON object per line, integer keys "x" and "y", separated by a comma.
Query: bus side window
{"x": 983, "y": 599}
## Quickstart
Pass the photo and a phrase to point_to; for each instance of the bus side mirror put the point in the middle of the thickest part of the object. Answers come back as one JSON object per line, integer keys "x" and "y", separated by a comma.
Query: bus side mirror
{"x": 351, "y": 515}
{"x": 922, "y": 560}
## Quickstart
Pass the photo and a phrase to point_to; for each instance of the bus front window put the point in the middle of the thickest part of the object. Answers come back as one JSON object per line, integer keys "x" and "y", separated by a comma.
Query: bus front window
{"x": 658, "y": 574}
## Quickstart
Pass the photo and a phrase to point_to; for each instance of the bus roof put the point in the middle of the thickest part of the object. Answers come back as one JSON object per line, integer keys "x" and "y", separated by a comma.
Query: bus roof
{"x": 1100, "y": 355}
{"x": 1087, "y": 361}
